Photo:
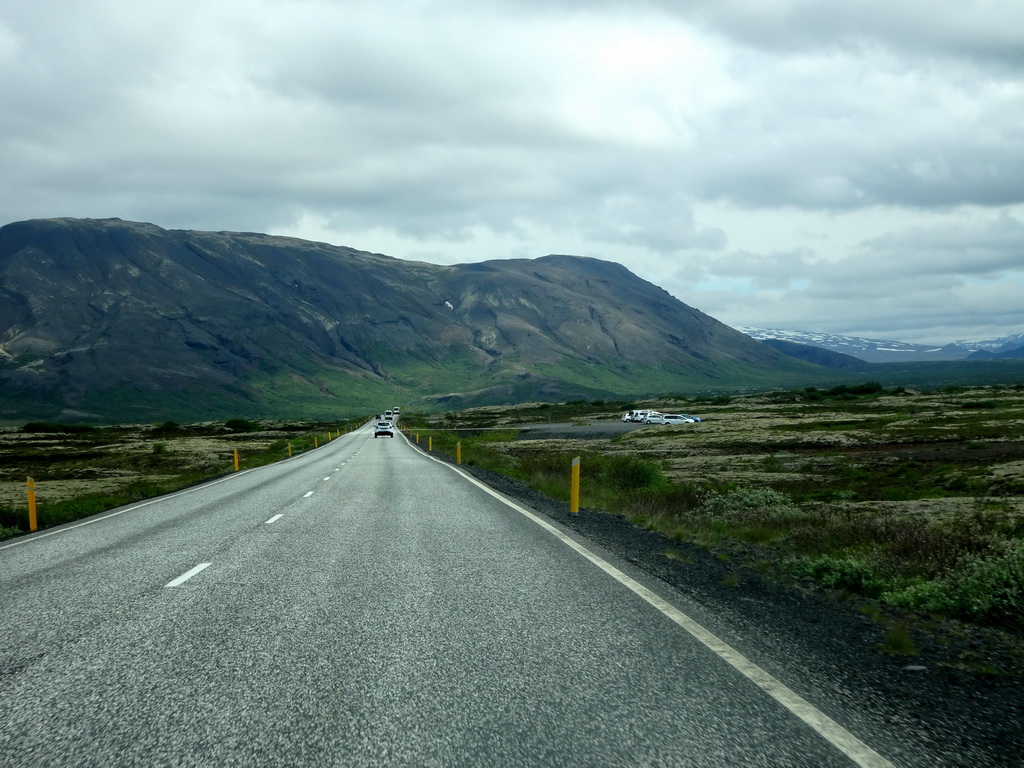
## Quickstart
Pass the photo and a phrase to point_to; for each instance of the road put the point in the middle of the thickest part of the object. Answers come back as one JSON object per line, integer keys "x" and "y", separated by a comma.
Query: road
{"x": 364, "y": 604}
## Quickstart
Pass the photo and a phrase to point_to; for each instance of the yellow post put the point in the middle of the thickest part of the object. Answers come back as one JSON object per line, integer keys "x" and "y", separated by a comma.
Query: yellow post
{"x": 458, "y": 453}
{"x": 417, "y": 438}
{"x": 289, "y": 450}
{"x": 574, "y": 488}
{"x": 430, "y": 443}
{"x": 236, "y": 459}
{"x": 32, "y": 523}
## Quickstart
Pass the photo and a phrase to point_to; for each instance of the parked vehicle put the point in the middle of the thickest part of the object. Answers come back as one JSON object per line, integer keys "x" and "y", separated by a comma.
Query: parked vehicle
{"x": 691, "y": 418}
{"x": 384, "y": 429}
{"x": 668, "y": 418}
{"x": 641, "y": 416}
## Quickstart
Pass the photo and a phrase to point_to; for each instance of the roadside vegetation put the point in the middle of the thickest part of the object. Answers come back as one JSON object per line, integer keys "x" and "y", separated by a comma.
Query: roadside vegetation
{"x": 80, "y": 470}
{"x": 911, "y": 499}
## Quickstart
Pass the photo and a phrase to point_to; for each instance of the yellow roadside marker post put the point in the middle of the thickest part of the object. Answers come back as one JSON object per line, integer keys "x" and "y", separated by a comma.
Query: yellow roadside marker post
{"x": 236, "y": 459}
{"x": 32, "y": 522}
{"x": 430, "y": 443}
{"x": 315, "y": 443}
{"x": 574, "y": 488}
{"x": 458, "y": 453}
{"x": 289, "y": 450}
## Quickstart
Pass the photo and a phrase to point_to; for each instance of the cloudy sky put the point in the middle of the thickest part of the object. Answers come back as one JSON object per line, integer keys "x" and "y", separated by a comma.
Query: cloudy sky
{"x": 845, "y": 166}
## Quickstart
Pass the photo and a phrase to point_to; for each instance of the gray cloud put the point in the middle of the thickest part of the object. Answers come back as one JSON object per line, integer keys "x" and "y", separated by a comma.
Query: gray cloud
{"x": 801, "y": 162}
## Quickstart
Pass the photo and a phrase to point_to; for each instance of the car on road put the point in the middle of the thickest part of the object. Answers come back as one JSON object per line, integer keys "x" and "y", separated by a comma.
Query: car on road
{"x": 384, "y": 429}
{"x": 668, "y": 418}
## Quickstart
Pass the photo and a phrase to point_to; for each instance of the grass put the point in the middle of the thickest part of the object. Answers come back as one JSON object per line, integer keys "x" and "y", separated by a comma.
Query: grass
{"x": 898, "y": 641}
{"x": 883, "y": 493}
{"x": 80, "y": 472}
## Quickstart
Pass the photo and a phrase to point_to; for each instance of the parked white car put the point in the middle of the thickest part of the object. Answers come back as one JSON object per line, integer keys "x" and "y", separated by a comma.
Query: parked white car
{"x": 668, "y": 418}
{"x": 641, "y": 416}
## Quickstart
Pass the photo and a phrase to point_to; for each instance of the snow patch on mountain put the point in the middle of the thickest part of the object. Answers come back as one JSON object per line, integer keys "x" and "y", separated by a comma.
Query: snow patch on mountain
{"x": 870, "y": 350}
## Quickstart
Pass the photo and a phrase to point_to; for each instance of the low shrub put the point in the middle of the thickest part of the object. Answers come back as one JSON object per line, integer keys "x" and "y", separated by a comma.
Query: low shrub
{"x": 746, "y": 506}
{"x": 241, "y": 425}
{"x": 846, "y": 572}
{"x": 629, "y": 473}
{"x": 986, "y": 589}
{"x": 50, "y": 427}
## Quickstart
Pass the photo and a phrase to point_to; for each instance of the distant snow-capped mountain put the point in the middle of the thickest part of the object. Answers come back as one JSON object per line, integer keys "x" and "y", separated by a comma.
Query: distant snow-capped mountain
{"x": 1005, "y": 344}
{"x": 871, "y": 350}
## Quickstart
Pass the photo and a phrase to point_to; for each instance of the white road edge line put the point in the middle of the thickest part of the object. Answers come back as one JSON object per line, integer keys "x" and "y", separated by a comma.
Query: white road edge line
{"x": 307, "y": 494}
{"x": 186, "y": 576}
{"x": 835, "y": 734}
{"x": 274, "y": 519}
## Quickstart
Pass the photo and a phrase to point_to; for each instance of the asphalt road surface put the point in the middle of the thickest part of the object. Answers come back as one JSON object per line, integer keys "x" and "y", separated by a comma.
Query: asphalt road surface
{"x": 364, "y": 604}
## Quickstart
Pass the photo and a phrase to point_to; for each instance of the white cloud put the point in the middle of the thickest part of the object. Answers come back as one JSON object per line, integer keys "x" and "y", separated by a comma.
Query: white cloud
{"x": 800, "y": 163}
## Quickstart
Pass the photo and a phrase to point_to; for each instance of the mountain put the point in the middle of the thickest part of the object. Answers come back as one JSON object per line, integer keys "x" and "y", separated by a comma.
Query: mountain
{"x": 818, "y": 355}
{"x": 869, "y": 350}
{"x": 995, "y": 346}
{"x": 1012, "y": 353}
{"x": 128, "y": 321}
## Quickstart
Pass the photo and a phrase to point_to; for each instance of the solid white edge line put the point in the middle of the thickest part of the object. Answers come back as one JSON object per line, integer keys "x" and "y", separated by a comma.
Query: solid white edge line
{"x": 274, "y": 519}
{"x": 835, "y": 734}
{"x": 186, "y": 576}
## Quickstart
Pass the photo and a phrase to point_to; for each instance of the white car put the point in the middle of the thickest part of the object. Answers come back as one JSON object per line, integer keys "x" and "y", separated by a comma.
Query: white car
{"x": 384, "y": 429}
{"x": 668, "y": 418}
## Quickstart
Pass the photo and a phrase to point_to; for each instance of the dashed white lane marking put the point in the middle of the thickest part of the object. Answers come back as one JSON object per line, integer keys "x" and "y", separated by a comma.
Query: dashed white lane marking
{"x": 307, "y": 494}
{"x": 186, "y": 576}
{"x": 835, "y": 734}
{"x": 274, "y": 519}
{"x": 327, "y": 478}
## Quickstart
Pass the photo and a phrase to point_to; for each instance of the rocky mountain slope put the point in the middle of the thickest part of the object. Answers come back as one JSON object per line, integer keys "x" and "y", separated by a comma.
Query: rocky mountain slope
{"x": 128, "y": 320}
